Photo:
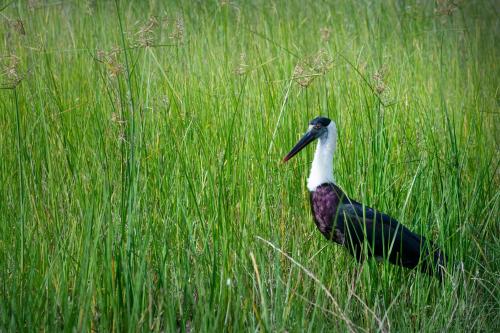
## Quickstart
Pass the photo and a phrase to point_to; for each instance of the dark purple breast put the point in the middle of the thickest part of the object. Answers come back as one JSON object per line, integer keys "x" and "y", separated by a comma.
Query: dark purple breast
{"x": 324, "y": 203}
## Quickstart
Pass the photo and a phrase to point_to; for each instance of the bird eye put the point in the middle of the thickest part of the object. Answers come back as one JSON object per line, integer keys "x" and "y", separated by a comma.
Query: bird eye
{"x": 317, "y": 126}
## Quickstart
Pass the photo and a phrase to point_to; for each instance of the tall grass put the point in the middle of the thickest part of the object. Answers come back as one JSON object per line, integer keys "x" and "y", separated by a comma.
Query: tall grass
{"x": 140, "y": 178}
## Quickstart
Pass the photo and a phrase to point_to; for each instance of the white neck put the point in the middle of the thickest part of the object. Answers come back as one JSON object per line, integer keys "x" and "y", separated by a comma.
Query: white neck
{"x": 322, "y": 165}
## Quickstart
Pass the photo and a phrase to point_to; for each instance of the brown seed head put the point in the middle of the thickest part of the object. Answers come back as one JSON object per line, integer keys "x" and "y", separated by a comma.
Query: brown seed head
{"x": 178, "y": 33}
{"x": 9, "y": 74}
{"x": 325, "y": 33}
{"x": 241, "y": 67}
{"x": 312, "y": 67}
{"x": 147, "y": 33}
{"x": 445, "y": 7}
{"x": 18, "y": 26}
{"x": 110, "y": 59}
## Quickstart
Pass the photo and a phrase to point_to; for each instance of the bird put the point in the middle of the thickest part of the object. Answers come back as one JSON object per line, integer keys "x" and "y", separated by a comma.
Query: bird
{"x": 362, "y": 230}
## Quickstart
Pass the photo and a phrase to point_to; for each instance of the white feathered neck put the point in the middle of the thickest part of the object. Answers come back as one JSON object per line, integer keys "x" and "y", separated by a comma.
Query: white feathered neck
{"x": 322, "y": 165}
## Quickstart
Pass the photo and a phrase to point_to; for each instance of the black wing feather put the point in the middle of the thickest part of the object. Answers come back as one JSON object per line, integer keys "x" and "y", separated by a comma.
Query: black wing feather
{"x": 385, "y": 237}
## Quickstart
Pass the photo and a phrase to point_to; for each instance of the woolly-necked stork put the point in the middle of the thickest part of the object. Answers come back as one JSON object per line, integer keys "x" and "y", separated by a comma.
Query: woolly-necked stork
{"x": 364, "y": 231}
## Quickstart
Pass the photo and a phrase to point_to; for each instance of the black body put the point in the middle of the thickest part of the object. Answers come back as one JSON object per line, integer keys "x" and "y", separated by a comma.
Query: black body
{"x": 366, "y": 232}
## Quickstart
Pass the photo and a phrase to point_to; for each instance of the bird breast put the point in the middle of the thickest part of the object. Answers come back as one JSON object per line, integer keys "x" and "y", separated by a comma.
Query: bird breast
{"x": 324, "y": 203}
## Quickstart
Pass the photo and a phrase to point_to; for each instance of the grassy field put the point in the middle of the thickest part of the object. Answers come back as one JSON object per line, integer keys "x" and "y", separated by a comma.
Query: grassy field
{"x": 141, "y": 187}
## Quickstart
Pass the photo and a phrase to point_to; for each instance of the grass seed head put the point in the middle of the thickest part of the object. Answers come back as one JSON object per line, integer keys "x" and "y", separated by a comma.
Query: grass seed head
{"x": 33, "y": 4}
{"x": 110, "y": 59}
{"x": 380, "y": 86}
{"x": 241, "y": 67}
{"x": 325, "y": 33}
{"x": 18, "y": 26}
{"x": 445, "y": 7}
{"x": 378, "y": 78}
{"x": 90, "y": 6}
{"x": 178, "y": 32}
{"x": 117, "y": 118}
{"x": 147, "y": 33}
{"x": 301, "y": 77}
{"x": 312, "y": 67}
{"x": 10, "y": 74}
{"x": 322, "y": 62}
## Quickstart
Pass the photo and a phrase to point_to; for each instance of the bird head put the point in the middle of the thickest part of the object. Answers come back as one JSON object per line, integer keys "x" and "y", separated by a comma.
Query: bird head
{"x": 318, "y": 128}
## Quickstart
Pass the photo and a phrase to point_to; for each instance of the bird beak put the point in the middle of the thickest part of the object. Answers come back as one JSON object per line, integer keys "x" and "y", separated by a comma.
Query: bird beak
{"x": 306, "y": 139}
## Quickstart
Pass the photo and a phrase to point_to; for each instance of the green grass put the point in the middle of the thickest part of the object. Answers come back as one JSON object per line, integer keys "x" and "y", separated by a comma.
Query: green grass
{"x": 140, "y": 178}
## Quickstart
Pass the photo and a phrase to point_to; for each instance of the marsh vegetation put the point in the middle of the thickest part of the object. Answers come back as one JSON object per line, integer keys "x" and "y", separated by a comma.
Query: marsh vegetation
{"x": 141, "y": 187}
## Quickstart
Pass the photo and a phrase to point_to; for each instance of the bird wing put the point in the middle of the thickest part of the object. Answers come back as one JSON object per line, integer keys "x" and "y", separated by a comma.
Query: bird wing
{"x": 383, "y": 235}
